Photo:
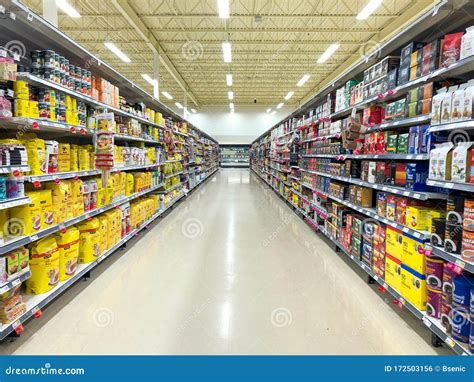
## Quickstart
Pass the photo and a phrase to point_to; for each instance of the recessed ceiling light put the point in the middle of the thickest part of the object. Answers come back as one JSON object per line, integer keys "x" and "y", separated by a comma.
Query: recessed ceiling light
{"x": 231, "y": 95}
{"x": 179, "y": 105}
{"x": 289, "y": 95}
{"x": 67, "y": 8}
{"x": 303, "y": 80}
{"x": 269, "y": 110}
{"x": 227, "y": 51}
{"x": 280, "y": 105}
{"x": 368, "y": 9}
{"x": 229, "y": 79}
{"x": 167, "y": 95}
{"x": 148, "y": 79}
{"x": 328, "y": 53}
{"x": 223, "y": 8}
{"x": 114, "y": 49}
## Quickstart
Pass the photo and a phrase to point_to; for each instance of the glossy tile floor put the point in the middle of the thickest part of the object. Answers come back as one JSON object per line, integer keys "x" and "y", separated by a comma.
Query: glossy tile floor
{"x": 232, "y": 270}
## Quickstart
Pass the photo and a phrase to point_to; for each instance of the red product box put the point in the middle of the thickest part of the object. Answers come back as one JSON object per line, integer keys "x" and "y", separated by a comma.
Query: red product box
{"x": 382, "y": 139}
{"x": 391, "y": 207}
{"x": 401, "y": 210}
{"x": 401, "y": 174}
{"x": 373, "y": 143}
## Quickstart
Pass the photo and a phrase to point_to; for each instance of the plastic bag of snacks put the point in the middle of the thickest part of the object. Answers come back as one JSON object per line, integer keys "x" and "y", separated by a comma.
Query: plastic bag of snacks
{"x": 61, "y": 194}
{"x": 11, "y": 305}
{"x": 89, "y": 245}
{"x": 68, "y": 244}
{"x": 103, "y": 233}
{"x": 44, "y": 266}
{"x": 26, "y": 219}
{"x": 47, "y": 212}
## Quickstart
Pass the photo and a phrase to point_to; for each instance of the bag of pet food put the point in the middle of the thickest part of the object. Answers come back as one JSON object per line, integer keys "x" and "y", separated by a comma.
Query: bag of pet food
{"x": 44, "y": 266}
{"x": 68, "y": 244}
{"x": 89, "y": 245}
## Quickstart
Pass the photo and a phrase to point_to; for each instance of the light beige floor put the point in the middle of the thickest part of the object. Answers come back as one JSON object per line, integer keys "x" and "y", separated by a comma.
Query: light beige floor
{"x": 232, "y": 270}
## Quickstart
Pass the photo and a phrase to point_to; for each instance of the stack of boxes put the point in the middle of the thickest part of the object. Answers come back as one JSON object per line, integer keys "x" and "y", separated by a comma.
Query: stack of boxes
{"x": 103, "y": 91}
{"x": 376, "y": 77}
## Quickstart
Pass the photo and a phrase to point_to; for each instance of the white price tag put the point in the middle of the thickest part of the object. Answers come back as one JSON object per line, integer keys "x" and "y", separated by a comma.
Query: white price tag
{"x": 3, "y": 53}
{"x": 33, "y": 237}
{"x": 417, "y": 196}
{"x": 450, "y": 342}
{"x": 16, "y": 57}
{"x": 384, "y": 188}
{"x": 449, "y": 185}
{"x": 10, "y": 93}
{"x": 427, "y": 322}
{"x": 410, "y": 156}
{"x": 460, "y": 263}
{"x": 16, "y": 324}
{"x": 385, "y": 285}
{"x": 16, "y": 282}
{"x": 406, "y": 193}
{"x": 376, "y": 278}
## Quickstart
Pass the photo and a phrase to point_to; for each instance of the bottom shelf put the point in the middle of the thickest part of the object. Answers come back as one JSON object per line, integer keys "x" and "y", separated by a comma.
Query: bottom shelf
{"x": 35, "y": 303}
{"x": 432, "y": 323}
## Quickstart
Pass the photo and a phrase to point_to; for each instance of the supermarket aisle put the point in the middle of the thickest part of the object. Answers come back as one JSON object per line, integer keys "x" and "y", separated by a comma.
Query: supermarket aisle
{"x": 216, "y": 276}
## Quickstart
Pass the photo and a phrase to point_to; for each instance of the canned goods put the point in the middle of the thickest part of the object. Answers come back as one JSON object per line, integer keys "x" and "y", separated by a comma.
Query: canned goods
{"x": 69, "y": 80}
{"x": 77, "y": 85}
{"x": 63, "y": 81}
{"x": 21, "y": 107}
{"x": 38, "y": 72}
{"x": 84, "y": 75}
{"x": 78, "y": 73}
{"x": 66, "y": 66}
{"x": 48, "y": 59}
{"x": 21, "y": 68}
{"x": 84, "y": 88}
{"x": 36, "y": 58}
{"x": 89, "y": 77}
{"x": 21, "y": 89}
{"x": 61, "y": 64}
{"x": 81, "y": 107}
{"x": 44, "y": 96}
{"x": 56, "y": 61}
{"x": 48, "y": 74}
{"x": 89, "y": 90}
{"x": 72, "y": 70}
{"x": 44, "y": 110}
{"x": 57, "y": 76}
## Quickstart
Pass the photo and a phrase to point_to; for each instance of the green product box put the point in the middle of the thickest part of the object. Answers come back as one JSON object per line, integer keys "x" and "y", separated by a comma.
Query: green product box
{"x": 392, "y": 143}
{"x": 412, "y": 106}
{"x": 357, "y": 225}
{"x": 402, "y": 146}
{"x": 356, "y": 244}
{"x": 400, "y": 107}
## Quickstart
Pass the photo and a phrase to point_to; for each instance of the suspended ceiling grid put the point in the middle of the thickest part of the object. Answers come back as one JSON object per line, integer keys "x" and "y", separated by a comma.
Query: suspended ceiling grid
{"x": 274, "y": 42}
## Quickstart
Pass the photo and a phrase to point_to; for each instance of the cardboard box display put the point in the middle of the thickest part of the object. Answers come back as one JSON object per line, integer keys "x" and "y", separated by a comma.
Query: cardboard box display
{"x": 461, "y": 162}
{"x": 413, "y": 254}
{"x": 417, "y": 218}
{"x": 394, "y": 242}
{"x": 393, "y": 271}
{"x": 413, "y": 286}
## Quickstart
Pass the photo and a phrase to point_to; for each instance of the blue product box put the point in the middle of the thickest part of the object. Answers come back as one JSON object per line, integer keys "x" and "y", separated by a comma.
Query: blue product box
{"x": 417, "y": 174}
{"x": 414, "y": 140}
{"x": 424, "y": 139}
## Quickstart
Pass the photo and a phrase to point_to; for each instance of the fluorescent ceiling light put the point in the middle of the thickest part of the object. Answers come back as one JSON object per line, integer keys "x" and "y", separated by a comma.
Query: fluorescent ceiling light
{"x": 231, "y": 95}
{"x": 269, "y": 110}
{"x": 148, "y": 79}
{"x": 113, "y": 48}
{"x": 231, "y": 105}
{"x": 194, "y": 111}
{"x": 328, "y": 53}
{"x": 179, "y": 105}
{"x": 167, "y": 95}
{"x": 303, "y": 80}
{"x": 229, "y": 79}
{"x": 273, "y": 112}
{"x": 368, "y": 9}
{"x": 232, "y": 111}
{"x": 280, "y": 105}
{"x": 67, "y": 8}
{"x": 223, "y": 8}
{"x": 227, "y": 51}
{"x": 289, "y": 95}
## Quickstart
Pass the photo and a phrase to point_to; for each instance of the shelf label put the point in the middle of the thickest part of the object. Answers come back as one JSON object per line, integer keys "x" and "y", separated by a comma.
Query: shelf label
{"x": 36, "y": 312}
{"x": 460, "y": 263}
{"x": 34, "y": 237}
{"x": 10, "y": 93}
{"x": 448, "y": 185}
{"x": 450, "y": 342}
{"x": 17, "y": 327}
{"x": 426, "y": 321}
{"x": 376, "y": 278}
{"x": 15, "y": 283}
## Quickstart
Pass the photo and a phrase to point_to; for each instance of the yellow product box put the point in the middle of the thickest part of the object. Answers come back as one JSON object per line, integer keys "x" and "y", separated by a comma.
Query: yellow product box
{"x": 109, "y": 192}
{"x": 416, "y": 217}
{"x": 394, "y": 242}
{"x": 21, "y": 89}
{"x": 62, "y": 207}
{"x": 84, "y": 159}
{"x": 36, "y": 153}
{"x": 122, "y": 183}
{"x": 74, "y": 158}
{"x": 68, "y": 102}
{"x": 47, "y": 211}
{"x": 413, "y": 286}
{"x": 44, "y": 266}
{"x": 34, "y": 110}
{"x": 392, "y": 272}
{"x": 89, "y": 244}
{"x": 100, "y": 197}
{"x": 103, "y": 233}
{"x": 129, "y": 184}
{"x": 76, "y": 190}
{"x": 433, "y": 214}
{"x": 21, "y": 108}
{"x": 26, "y": 219}
{"x": 413, "y": 254}
{"x": 64, "y": 157}
{"x": 68, "y": 245}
